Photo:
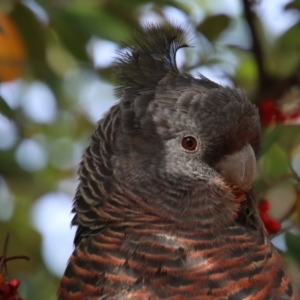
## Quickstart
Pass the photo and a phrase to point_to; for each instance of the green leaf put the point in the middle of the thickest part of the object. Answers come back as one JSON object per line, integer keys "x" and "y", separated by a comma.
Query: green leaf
{"x": 213, "y": 26}
{"x": 260, "y": 187}
{"x": 293, "y": 245}
{"x": 289, "y": 137}
{"x": 275, "y": 162}
{"x": 5, "y": 109}
{"x": 33, "y": 35}
{"x": 70, "y": 32}
{"x": 74, "y": 28}
{"x": 269, "y": 136}
{"x": 293, "y": 5}
{"x": 246, "y": 75}
{"x": 284, "y": 55}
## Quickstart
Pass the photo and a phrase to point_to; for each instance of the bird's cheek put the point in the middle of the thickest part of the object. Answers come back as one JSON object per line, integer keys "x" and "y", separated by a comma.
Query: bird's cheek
{"x": 239, "y": 168}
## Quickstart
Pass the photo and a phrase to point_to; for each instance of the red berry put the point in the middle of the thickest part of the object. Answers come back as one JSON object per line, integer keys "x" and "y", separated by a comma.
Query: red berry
{"x": 264, "y": 205}
{"x": 294, "y": 115}
{"x": 269, "y": 112}
{"x": 267, "y": 106}
{"x": 13, "y": 291}
{"x": 266, "y": 111}
{"x": 4, "y": 289}
{"x": 14, "y": 283}
{"x": 278, "y": 116}
{"x": 273, "y": 226}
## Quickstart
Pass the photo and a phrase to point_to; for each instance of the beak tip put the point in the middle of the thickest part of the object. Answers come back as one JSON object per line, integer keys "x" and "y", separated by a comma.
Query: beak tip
{"x": 239, "y": 168}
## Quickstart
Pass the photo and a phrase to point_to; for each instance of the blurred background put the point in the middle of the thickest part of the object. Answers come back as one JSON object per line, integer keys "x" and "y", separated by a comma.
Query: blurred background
{"x": 56, "y": 81}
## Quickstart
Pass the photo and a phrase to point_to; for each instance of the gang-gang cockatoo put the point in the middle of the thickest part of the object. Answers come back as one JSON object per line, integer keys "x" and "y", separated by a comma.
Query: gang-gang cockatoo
{"x": 165, "y": 206}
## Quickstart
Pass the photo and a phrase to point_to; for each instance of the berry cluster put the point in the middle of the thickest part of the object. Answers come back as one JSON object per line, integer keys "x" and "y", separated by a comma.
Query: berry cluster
{"x": 271, "y": 225}
{"x": 9, "y": 289}
{"x": 270, "y": 113}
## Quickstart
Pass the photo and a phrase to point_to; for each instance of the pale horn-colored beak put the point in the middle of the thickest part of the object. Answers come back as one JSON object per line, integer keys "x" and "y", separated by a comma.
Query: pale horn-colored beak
{"x": 239, "y": 168}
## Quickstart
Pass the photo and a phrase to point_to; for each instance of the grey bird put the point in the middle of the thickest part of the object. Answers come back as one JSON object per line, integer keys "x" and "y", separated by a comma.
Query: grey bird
{"x": 165, "y": 207}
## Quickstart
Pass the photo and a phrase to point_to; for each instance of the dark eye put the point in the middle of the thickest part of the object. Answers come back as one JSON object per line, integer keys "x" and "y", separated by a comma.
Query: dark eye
{"x": 189, "y": 143}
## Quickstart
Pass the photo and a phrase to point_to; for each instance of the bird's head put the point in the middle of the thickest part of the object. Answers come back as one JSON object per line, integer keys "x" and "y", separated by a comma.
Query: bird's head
{"x": 177, "y": 129}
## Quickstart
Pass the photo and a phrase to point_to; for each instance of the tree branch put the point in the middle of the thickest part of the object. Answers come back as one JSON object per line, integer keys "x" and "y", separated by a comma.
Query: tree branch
{"x": 256, "y": 46}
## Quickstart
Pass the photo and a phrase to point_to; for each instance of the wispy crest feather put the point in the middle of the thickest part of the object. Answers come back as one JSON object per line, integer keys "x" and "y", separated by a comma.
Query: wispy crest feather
{"x": 152, "y": 56}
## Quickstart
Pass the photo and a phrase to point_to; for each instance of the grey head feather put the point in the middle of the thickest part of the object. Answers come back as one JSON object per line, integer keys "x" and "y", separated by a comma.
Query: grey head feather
{"x": 149, "y": 68}
{"x": 151, "y": 58}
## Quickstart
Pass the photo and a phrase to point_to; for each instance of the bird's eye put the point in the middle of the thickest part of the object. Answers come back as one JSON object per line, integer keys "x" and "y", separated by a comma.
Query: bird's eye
{"x": 189, "y": 143}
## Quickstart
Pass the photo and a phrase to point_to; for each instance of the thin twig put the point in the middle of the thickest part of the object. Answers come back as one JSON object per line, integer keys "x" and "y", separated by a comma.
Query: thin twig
{"x": 283, "y": 230}
{"x": 16, "y": 257}
{"x": 289, "y": 213}
{"x": 2, "y": 258}
{"x": 5, "y": 245}
{"x": 268, "y": 85}
{"x": 256, "y": 45}
{"x": 271, "y": 183}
